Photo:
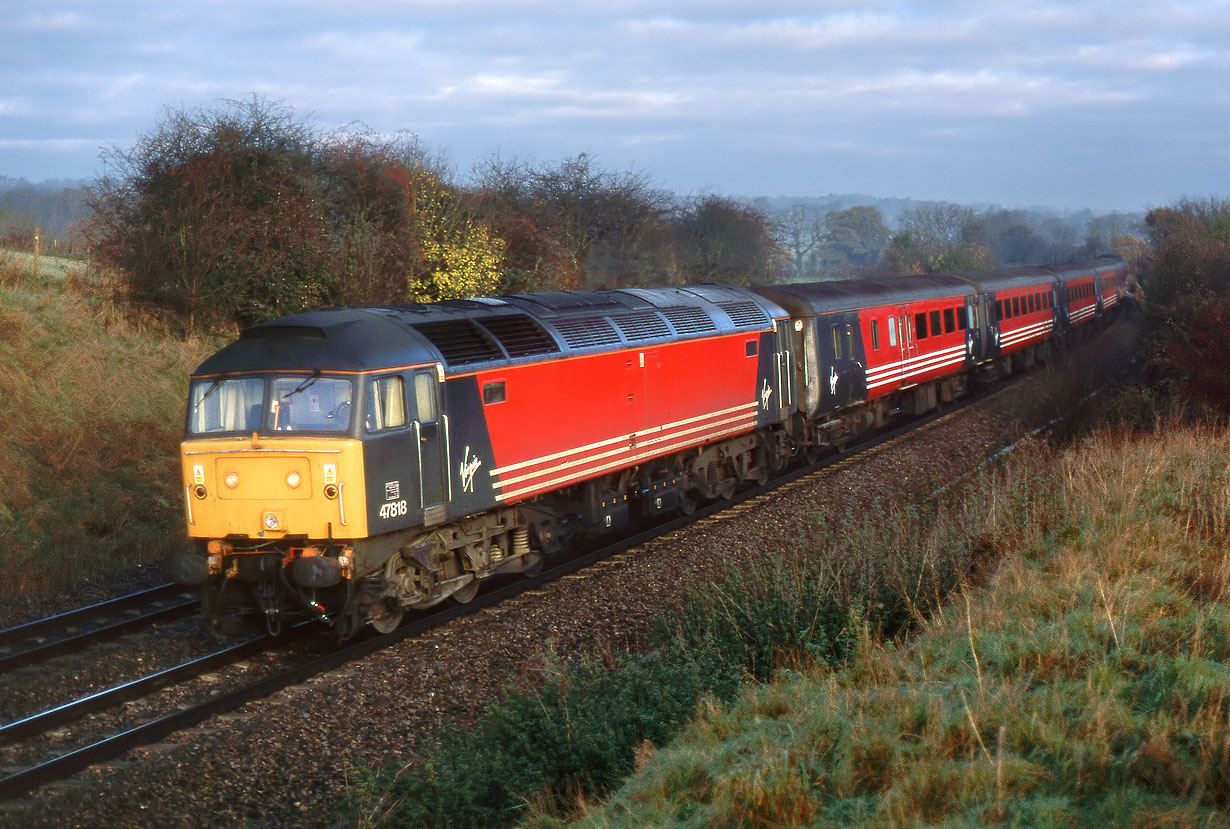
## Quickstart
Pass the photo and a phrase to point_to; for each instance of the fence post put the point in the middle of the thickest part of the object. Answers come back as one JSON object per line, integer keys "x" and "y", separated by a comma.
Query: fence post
{"x": 36, "y": 254}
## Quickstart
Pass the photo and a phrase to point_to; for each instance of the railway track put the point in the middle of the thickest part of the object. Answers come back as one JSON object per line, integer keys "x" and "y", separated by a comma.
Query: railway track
{"x": 67, "y": 632}
{"x": 122, "y": 735}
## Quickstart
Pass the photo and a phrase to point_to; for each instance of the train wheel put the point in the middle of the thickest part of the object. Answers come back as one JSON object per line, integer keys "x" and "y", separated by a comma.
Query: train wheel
{"x": 385, "y": 616}
{"x": 688, "y": 503}
{"x": 466, "y": 593}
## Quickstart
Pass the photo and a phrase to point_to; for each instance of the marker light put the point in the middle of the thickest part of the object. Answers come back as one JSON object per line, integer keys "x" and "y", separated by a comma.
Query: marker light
{"x": 231, "y": 480}
{"x": 293, "y": 480}
{"x": 271, "y": 520}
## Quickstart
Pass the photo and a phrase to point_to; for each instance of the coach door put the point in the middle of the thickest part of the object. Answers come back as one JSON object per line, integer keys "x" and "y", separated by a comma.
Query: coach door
{"x": 431, "y": 430}
{"x": 909, "y": 347}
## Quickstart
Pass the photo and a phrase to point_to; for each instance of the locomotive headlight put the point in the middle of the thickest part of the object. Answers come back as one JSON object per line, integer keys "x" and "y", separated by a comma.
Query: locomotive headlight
{"x": 231, "y": 480}
{"x": 271, "y": 521}
{"x": 293, "y": 480}
{"x": 200, "y": 492}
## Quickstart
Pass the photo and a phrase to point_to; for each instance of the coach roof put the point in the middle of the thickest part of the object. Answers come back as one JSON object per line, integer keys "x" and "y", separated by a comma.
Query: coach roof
{"x": 803, "y": 299}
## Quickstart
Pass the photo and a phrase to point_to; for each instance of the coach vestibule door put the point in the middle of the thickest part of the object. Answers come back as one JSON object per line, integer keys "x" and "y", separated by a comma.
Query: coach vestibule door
{"x": 431, "y": 429}
{"x": 904, "y": 341}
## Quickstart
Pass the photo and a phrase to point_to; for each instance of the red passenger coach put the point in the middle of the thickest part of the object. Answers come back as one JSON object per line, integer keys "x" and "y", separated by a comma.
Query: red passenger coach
{"x": 1023, "y": 303}
{"x": 1079, "y": 286}
{"x": 881, "y": 342}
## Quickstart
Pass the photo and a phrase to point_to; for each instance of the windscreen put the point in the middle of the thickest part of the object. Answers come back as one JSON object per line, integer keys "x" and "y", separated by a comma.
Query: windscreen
{"x": 298, "y": 403}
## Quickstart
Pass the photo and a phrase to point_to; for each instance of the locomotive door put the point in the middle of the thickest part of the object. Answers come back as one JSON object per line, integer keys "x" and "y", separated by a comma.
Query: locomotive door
{"x": 783, "y": 366}
{"x": 431, "y": 430}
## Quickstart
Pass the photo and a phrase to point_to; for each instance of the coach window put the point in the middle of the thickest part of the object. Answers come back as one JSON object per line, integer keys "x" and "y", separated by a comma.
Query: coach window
{"x": 1016, "y": 306}
{"x": 875, "y": 335}
{"x": 960, "y": 312}
{"x": 950, "y": 320}
{"x": 425, "y": 396}
{"x": 386, "y": 403}
{"x": 920, "y": 326}
{"x": 999, "y": 310}
{"x": 892, "y": 331}
{"x": 936, "y": 330}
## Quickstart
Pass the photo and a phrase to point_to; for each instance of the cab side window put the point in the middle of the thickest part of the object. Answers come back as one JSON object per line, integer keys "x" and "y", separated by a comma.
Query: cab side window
{"x": 386, "y": 403}
{"x": 425, "y": 396}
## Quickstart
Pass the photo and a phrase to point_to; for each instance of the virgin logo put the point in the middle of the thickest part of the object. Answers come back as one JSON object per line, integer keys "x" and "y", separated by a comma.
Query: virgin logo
{"x": 468, "y": 467}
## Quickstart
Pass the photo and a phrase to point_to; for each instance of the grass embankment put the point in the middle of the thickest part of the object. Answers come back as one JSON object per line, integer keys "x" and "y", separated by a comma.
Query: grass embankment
{"x": 1085, "y": 683}
{"x": 91, "y": 412}
{"x": 1066, "y": 664}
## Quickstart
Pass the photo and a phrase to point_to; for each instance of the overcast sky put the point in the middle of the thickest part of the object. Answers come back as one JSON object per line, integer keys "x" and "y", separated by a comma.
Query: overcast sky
{"x": 1063, "y": 103}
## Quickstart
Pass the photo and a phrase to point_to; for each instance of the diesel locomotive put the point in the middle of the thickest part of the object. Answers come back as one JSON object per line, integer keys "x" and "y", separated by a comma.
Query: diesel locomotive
{"x": 353, "y": 464}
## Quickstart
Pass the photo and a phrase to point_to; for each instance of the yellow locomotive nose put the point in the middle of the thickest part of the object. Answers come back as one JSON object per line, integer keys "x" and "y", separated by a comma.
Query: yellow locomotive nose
{"x": 285, "y": 486}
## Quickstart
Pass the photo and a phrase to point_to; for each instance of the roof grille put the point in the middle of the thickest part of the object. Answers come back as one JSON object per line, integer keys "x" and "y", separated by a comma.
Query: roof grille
{"x": 689, "y": 320}
{"x": 583, "y": 332}
{"x": 744, "y": 314}
{"x": 641, "y": 326}
{"x": 520, "y": 335}
{"x": 460, "y": 342}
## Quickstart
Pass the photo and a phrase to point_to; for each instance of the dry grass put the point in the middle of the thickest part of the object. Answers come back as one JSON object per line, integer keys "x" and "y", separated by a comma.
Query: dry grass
{"x": 1085, "y": 682}
{"x": 91, "y": 399}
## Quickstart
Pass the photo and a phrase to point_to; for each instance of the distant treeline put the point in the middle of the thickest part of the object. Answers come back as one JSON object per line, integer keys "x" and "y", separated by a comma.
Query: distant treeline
{"x": 55, "y": 208}
{"x": 245, "y": 212}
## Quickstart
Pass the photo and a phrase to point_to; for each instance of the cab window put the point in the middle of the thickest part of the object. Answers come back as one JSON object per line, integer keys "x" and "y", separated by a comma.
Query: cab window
{"x": 386, "y": 403}
{"x": 226, "y": 405}
{"x": 313, "y": 404}
{"x": 425, "y": 397}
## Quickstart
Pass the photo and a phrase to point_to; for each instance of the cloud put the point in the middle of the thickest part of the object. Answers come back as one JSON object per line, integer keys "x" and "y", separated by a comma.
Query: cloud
{"x": 715, "y": 91}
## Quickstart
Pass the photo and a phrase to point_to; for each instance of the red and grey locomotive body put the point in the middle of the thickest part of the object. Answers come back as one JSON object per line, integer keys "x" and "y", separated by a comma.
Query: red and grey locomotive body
{"x": 356, "y": 463}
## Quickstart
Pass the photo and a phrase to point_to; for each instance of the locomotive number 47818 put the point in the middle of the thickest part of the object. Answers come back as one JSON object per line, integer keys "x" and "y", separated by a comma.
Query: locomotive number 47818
{"x": 393, "y": 509}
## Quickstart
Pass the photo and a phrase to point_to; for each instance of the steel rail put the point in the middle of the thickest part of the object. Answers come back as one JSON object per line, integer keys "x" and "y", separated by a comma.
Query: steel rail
{"x": 114, "y": 630}
{"x": 53, "y": 624}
